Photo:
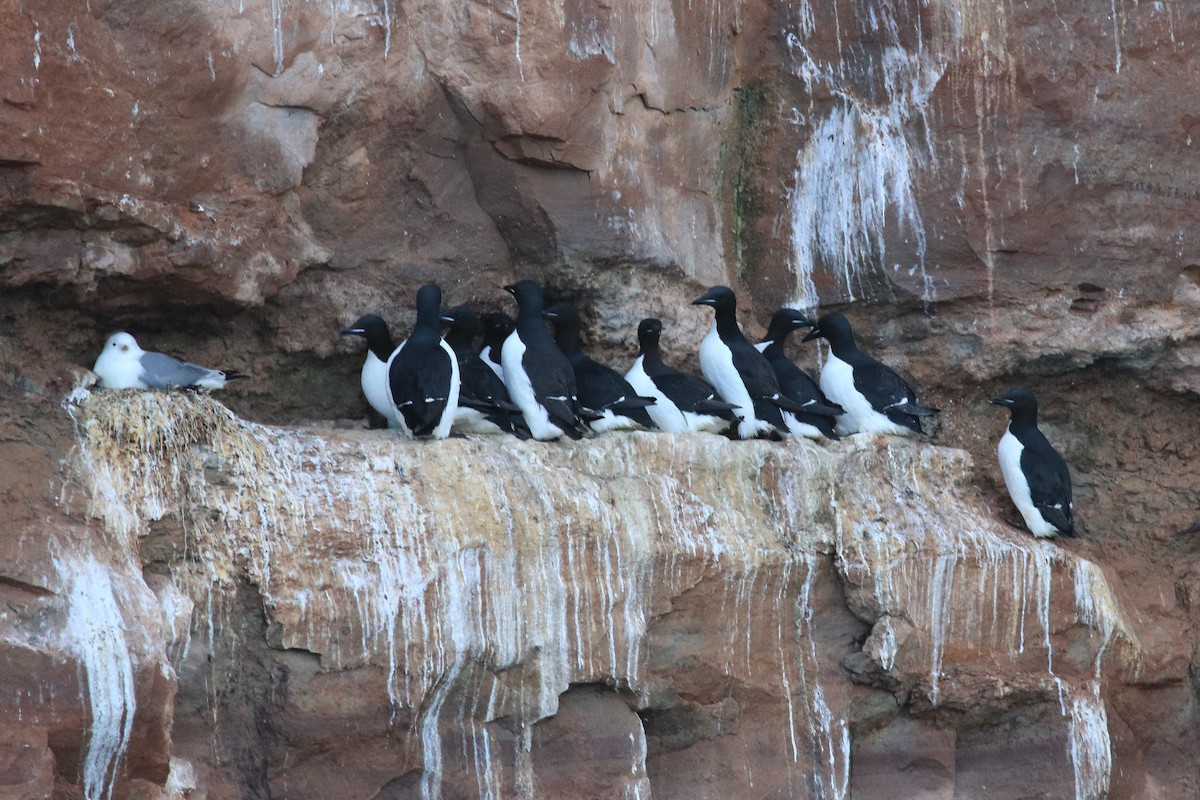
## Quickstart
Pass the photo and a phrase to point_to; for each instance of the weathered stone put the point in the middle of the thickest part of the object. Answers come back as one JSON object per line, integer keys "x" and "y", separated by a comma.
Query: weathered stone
{"x": 431, "y": 606}
{"x": 1003, "y": 194}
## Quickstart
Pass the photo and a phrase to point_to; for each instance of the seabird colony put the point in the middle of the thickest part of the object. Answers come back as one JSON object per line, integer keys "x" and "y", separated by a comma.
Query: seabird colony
{"x": 527, "y": 382}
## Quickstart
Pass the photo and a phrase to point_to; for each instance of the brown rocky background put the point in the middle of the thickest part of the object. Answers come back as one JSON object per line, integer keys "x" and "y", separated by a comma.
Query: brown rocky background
{"x": 287, "y": 606}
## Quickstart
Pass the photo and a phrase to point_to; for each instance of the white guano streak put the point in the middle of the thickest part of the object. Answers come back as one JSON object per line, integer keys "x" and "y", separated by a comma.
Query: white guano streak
{"x": 94, "y": 631}
{"x": 858, "y": 163}
{"x": 1090, "y": 748}
{"x": 277, "y": 35}
{"x": 569, "y": 579}
{"x": 829, "y": 735}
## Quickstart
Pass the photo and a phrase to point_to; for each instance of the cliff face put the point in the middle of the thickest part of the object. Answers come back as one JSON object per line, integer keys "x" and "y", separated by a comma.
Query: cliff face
{"x": 268, "y": 601}
{"x": 348, "y": 615}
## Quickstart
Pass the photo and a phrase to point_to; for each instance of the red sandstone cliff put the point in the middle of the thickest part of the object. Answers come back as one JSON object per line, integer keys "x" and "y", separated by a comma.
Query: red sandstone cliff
{"x": 1001, "y": 194}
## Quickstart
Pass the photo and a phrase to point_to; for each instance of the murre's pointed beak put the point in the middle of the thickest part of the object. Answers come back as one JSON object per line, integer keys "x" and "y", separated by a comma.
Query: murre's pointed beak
{"x": 550, "y": 314}
{"x": 511, "y": 289}
{"x": 353, "y": 331}
{"x": 706, "y": 300}
{"x": 448, "y": 319}
{"x": 815, "y": 333}
{"x": 1001, "y": 401}
{"x": 803, "y": 322}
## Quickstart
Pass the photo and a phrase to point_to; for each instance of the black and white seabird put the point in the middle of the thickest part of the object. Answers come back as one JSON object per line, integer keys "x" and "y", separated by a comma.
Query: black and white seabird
{"x": 601, "y": 388}
{"x": 819, "y": 416}
{"x": 685, "y": 403}
{"x": 124, "y": 365}
{"x": 741, "y": 374}
{"x": 423, "y": 377}
{"x": 1036, "y": 475}
{"x": 539, "y": 377}
{"x": 876, "y": 399}
{"x": 374, "y": 376}
{"x": 496, "y": 328}
{"x": 483, "y": 402}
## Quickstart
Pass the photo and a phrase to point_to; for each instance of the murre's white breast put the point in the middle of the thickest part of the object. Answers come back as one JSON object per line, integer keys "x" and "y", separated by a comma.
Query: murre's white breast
{"x": 1010, "y": 451}
{"x": 486, "y": 355}
{"x": 374, "y": 379}
{"x": 837, "y": 383}
{"x": 716, "y": 362}
{"x": 447, "y": 419}
{"x": 664, "y": 412}
{"x": 520, "y": 390}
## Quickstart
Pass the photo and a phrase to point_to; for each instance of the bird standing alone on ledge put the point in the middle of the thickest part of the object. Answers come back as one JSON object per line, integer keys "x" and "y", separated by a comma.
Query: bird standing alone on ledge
{"x": 1036, "y": 475}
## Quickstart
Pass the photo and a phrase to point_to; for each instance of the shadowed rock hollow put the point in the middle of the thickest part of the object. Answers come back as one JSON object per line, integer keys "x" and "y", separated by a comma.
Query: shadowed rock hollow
{"x": 263, "y": 600}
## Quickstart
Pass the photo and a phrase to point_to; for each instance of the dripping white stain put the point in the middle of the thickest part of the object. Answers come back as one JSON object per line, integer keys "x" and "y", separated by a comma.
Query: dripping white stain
{"x": 859, "y": 164}
{"x": 387, "y": 28}
{"x": 1090, "y": 748}
{"x": 94, "y": 631}
{"x": 517, "y": 38}
{"x": 277, "y": 35}
{"x": 578, "y": 565}
{"x": 829, "y": 734}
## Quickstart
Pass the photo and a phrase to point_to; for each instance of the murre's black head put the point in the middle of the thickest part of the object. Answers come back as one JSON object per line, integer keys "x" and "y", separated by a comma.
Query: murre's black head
{"x": 719, "y": 297}
{"x": 429, "y": 296}
{"x": 648, "y": 333}
{"x": 784, "y": 321}
{"x": 1023, "y": 406}
{"x": 429, "y": 305}
{"x": 372, "y": 328}
{"x": 1018, "y": 400}
{"x": 562, "y": 311}
{"x": 567, "y": 324}
{"x": 649, "y": 330}
{"x": 834, "y": 327}
{"x": 464, "y": 325}
{"x": 496, "y": 328}
{"x": 461, "y": 318}
{"x": 526, "y": 292}
{"x": 365, "y": 325}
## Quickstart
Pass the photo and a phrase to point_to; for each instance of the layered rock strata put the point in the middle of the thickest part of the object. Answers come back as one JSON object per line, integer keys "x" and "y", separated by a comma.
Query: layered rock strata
{"x": 260, "y": 609}
{"x": 1002, "y": 194}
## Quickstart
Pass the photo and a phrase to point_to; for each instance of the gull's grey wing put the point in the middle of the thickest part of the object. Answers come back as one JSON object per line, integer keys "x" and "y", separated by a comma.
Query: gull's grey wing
{"x": 160, "y": 371}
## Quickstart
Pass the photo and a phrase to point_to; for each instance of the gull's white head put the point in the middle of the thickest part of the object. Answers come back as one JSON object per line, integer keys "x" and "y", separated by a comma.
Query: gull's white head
{"x": 118, "y": 365}
{"x": 122, "y": 342}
